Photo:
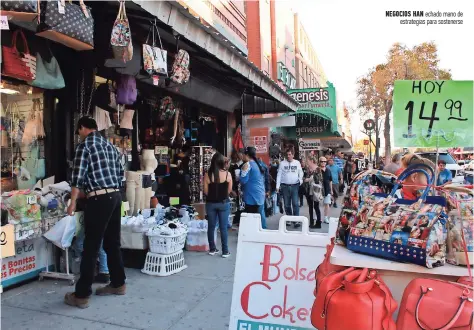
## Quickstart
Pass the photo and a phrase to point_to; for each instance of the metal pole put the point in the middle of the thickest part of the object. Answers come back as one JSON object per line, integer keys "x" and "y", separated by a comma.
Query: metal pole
{"x": 370, "y": 146}
{"x": 436, "y": 165}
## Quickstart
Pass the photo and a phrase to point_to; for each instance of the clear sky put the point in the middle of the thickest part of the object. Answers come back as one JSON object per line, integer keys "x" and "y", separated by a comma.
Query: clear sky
{"x": 350, "y": 37}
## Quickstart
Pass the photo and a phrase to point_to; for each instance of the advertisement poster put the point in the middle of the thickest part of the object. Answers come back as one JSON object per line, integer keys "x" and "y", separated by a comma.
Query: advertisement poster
{"x": 275, "y": 277}
{"x": 261, "y": 144}
{"x": 431, "y": 113}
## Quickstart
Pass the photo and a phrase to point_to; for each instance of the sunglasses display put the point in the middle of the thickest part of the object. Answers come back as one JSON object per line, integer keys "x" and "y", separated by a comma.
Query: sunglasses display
{"x": 199, "y": 163}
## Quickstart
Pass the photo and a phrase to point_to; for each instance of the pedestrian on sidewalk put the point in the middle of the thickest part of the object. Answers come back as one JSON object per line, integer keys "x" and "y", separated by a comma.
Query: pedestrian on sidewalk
{"x": 99, "y": 172}
{"x": 336, "y": 175}
{"x": 348, "y": 170}
{"x": 252, "y": 179}
{"x": 277, "y": 204}
{"x": 234, "y": 170}
{"x": 327, "y": 186}
{"x": 217, "y": 187}
{"x": 289, "y": 179}
{"x": 308, "y": 180}
{"x": 302, "y": 190}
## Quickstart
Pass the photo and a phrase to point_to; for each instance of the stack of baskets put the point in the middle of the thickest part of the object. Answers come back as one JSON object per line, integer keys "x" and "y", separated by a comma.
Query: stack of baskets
{"x": 166, "y": 255}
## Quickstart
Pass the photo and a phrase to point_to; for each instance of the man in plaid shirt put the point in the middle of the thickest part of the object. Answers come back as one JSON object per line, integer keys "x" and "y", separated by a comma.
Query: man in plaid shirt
{"x": 97, "y": 172}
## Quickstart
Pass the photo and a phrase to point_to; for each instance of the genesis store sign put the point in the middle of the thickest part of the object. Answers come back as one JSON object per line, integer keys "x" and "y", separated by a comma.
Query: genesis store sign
{"x": 314, "y": 96}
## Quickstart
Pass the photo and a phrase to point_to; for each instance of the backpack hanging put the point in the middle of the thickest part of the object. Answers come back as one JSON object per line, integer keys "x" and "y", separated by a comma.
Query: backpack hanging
{"x": 180, "y": 71}
{"x": 154, "y": 58}
{"x": 121, "y": 38}
{"x": 126, "y": 90}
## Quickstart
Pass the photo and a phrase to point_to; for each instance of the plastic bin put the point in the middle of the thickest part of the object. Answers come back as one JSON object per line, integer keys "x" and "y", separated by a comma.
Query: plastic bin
{"x": 164, "y": 264}
{"x": 166, "y": 244}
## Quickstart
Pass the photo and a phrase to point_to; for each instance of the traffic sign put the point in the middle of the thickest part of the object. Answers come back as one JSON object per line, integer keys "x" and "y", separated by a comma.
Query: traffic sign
{"x": 369, "y": 124}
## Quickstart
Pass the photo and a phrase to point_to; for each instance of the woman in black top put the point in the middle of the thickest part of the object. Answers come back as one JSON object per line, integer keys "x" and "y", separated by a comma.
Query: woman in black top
{"x": 327, "y": 187}
{"x": 348, "y": 169}
{"x": 217, "y": 187}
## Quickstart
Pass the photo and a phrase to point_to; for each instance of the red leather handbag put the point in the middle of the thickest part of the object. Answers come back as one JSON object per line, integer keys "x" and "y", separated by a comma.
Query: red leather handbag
{"x": 431, "y": 304}
{"x": 353, "y": 299}
{"x": 326, "y": 268}
{"x": 14, "y": 64}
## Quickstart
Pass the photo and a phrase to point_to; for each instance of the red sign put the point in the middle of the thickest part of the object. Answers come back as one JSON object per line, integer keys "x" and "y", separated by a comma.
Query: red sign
{"x": 260, "y": 143}
{"x": 366, "y": 142}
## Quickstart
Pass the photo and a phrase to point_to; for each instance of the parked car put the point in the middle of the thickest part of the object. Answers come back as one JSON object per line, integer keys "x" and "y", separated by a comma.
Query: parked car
{"x": 469, "y": 173}
{"x": 464, "y": 163}
{"x": 451, "y": 164}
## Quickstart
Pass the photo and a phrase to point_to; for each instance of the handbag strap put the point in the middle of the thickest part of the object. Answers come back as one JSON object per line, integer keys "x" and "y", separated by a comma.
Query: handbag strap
{"x": 424, "y": 291}
{"x": 22, "y": 35}
{"x": 409, "y": 171}
{"x": 463, "y": 242}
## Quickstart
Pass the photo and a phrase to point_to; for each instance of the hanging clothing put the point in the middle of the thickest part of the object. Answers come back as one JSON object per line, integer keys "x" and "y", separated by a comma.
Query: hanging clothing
{"x": 102, "y": 119}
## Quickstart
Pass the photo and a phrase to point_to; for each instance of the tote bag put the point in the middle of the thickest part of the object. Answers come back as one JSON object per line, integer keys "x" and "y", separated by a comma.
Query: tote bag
{"x": 18, "y": 65}
{"x": 154, "y": 58}
{"x": 48, "y": 74}
{"x": 25, "y": 10}
{"x": 121, "y": 38}
{"x": 402, "y": 230}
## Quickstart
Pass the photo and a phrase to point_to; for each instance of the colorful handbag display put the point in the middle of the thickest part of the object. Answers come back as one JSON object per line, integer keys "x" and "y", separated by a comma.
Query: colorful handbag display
{"x": 68, "y": 24}
{"x": 25, "y": 10}
{"x": 121, "y": 38}
{"x": 363, "y": 185}
{"x": 180, "y": 70}
{"x": 355, "y": 299}
{"x": 402, "y": 230}
{"x": 461, "y": 224}
{"x": 15, "y": 64}
{"x": 154, "y": 58}
{"x": 48, "y": 74}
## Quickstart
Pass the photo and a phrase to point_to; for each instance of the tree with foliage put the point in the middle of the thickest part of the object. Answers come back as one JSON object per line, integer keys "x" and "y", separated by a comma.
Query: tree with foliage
{"x": 375, "y": 89}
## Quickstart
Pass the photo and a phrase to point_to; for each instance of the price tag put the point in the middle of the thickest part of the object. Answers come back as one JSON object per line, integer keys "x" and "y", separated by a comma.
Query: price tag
{"x": 126, "y": 206}
{"x": 61, "y": 7}
{"x": 174, "y": 201}
{"x": 160, "y": 150}
{"x": 156, "y": 80}
{"x": 433, "y": 113}
{"x": 129, "y": 157}
{"x": 31, "y": 200}
{"x": 4, "y": 23}
{"x": 7, "y": 241}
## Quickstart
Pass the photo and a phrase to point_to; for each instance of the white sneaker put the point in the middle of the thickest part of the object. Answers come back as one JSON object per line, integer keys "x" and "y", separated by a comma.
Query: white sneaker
{"x": 326, "y": 219}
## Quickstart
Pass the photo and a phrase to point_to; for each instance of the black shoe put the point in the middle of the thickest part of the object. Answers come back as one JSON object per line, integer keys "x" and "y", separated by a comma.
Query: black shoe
{"x": 288, "y": 223}
{"x": 296, "y": 224}
{"x": 213, "y": 252}
{"x": 318, "y": 225}
{"x": 335, "y": 206}
{"x": 102, "y": 278}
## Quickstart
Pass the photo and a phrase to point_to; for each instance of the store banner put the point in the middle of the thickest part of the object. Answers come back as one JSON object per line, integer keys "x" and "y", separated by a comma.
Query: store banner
{"x": 275, "y": 275}
{"x": 309, "y": 144}
{"x": 261, "y": 144}
{"x": 433, "y": 113}
{"x": 24, "y": 262}
{"x": 7, "y": 241}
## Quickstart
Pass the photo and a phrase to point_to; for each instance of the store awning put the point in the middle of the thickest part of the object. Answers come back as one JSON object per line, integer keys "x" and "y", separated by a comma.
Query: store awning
{"x": 271, "y": 122}
{"x": 190, "y": 27}
{"x": 336, "y": 143}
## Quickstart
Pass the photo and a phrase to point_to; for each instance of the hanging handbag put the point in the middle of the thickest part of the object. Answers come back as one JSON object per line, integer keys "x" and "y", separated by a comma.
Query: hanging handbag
{"x": 121, "y": 38}
{"x": 180, "y": 70}
{"x": 17, "y": 122}
{"x": 326, "y": 268}
{"x": 461, "y": 223}
{"x": 15, "y": 64}
{"x": 355, "y": 299}
{"x": 48, "y": 74}
{"x": 25, "y": 10}
{"x": 402, "y": 230}
{"x": 36, "y": 164}
{"x": 154, "y": 58}
{"x": 430, "y": 304}
{"x": 73, "y": 27}
{"x": 34, "y": 125}
{"x": 126, "y": 90}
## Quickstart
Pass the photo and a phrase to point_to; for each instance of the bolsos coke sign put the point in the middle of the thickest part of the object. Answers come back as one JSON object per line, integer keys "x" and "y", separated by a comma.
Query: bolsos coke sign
{"x": 275, "y": 277}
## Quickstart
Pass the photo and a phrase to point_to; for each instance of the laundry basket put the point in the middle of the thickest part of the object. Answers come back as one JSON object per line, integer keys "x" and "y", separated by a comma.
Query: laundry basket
{"x": 166, "y": 244}
{"x": 164, "y": 265}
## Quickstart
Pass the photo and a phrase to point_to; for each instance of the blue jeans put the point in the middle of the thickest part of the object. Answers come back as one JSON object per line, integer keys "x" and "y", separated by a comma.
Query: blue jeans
{"x": 103, "y": 268}
{"x": 261, "y": 210}
{"x": 291, "y": 198}
{"x": 218, "y": 213}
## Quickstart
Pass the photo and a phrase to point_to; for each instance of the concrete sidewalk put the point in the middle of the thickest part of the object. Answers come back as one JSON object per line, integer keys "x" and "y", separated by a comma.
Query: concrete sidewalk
{"x": 197, "y": 298}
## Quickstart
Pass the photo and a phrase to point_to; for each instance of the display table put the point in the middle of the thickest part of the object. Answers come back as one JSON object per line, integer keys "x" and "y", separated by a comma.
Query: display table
{"x": 396, "y": 275}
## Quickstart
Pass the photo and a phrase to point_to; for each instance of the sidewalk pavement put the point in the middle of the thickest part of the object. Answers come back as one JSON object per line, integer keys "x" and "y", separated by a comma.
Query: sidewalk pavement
{"x": 198, "y": 298}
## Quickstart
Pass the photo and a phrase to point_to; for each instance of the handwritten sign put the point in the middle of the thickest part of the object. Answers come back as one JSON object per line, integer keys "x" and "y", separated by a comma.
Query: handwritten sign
{"x": 7, "y": 241}
{"x": 275, "y": 275}
{"x": 160, "y": 150}
{"x": 4, "y": 23}
{"x": 433, "y": 113}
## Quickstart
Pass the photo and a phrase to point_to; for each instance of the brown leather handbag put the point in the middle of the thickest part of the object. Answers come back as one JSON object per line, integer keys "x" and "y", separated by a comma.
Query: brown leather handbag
{"x": 355, "y": 299}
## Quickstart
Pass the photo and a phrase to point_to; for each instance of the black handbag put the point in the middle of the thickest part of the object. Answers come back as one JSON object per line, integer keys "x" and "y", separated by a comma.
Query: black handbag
{"x": 104, "y": 98}
{"x": 74, "y": 28}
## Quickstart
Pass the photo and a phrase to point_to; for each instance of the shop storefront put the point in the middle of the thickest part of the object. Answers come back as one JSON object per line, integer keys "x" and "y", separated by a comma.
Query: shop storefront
{"x": 166, "y": 113}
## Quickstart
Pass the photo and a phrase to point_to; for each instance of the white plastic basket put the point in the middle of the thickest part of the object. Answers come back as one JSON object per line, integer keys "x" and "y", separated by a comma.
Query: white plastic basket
{"x": 166, "y": 244}
{"x": 164, "y": 264}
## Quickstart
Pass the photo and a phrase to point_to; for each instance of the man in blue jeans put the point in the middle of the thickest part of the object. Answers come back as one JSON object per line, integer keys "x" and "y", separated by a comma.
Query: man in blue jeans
{"x": 289, "y": 179}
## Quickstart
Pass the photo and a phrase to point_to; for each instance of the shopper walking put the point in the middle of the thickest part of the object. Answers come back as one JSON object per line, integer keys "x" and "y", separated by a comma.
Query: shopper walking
{"x": 252, "y": 178}
{"x": 308, "y": 181}
{"x": 277, "y": 204}
{"x": 348, "y": 170}
{"x": 289, "y": 178}
{"x": 361, "y": 163}
{"x": 99, "y": 173}
{"x": 336, "y": 175}
{"x": 217, "y": 187}
{"x": 394, "y": 164}
{"x": 327, "y": 186}
{"x": 234, "y": 169}
{"x": 302, "y": 190}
